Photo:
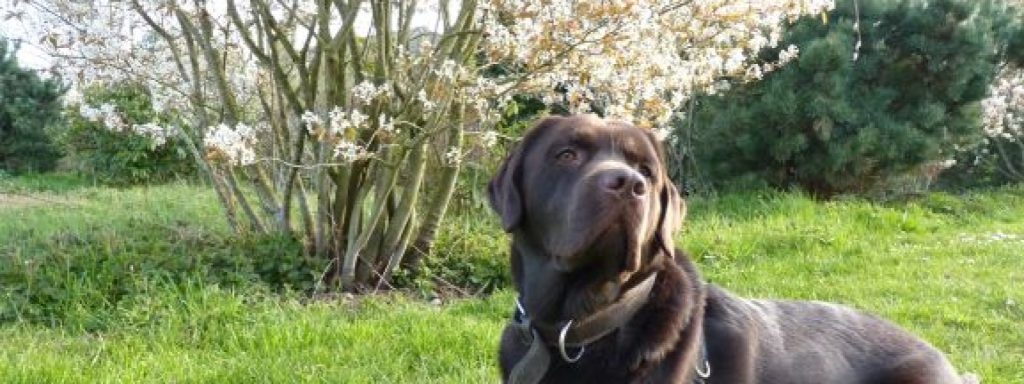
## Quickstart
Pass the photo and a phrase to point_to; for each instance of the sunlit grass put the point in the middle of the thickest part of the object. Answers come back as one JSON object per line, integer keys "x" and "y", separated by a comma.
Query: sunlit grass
{"x": 947, "y": 267}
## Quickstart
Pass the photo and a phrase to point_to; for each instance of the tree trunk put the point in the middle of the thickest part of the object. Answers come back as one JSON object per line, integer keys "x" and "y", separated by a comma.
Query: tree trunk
{"x": 435, "y": 211}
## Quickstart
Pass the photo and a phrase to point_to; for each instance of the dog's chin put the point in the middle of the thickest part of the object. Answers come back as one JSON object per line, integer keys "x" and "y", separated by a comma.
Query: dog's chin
{"x": 614, "y": 242}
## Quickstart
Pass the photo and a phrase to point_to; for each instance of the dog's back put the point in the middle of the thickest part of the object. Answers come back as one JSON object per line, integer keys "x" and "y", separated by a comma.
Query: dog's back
{"x": 783, "y": 341}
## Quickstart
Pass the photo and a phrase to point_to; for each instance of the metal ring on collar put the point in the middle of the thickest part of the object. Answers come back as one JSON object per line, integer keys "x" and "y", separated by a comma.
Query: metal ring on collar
{"x": 706, "y": 372}
{"x": 561, "y": 345}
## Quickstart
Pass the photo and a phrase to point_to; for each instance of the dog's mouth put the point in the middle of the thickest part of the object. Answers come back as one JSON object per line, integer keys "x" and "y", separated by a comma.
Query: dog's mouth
{"x": 613, "y": 237}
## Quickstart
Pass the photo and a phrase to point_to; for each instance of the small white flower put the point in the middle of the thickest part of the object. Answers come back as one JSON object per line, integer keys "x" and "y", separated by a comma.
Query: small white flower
{"x": 754, "y": 73}
{"x": 357, "y": 118}
{"x": 339, "y": 121}
{"x": 311, "y": 119}
{"x": 489, "y": 139}
{"x": 426, "y": 46}
{"x": 736, "y": 59}
{"x": 114, "y": 122}
{"x": 428, "y": 105}
{"x": 791, "y": 52}
{"x": 245, "y": 130}
{"x": 617, "y": 111}
{"x": 236, "y": 145}
{"x": 364, "y": 92}
{"x": 89, "y": 113}
{"x": 448, "y": 70}
{"x": 107, "y": 108}
{"x": 348, "y": 151}
{"x": 550, "y": 98}
{"x": 453, "y": 156}
{"x": 661, "y": 133}
{"x": 153, "y": 131}
{"x": 388, "y": 126}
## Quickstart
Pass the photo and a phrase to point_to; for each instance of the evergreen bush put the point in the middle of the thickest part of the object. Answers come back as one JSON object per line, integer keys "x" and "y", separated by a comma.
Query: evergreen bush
{"x": 29, "y": 107}
{"x": 885, "y": 88}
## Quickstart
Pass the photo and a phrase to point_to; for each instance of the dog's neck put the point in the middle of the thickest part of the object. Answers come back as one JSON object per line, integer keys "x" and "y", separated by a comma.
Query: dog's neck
{"x": 670, "y": 321}
{"x": 673, "y": 319}
{"x": 552, "y": 295}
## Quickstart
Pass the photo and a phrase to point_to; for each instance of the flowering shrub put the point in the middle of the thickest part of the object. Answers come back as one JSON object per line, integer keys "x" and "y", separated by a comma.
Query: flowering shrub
{"x": 638, "y": 60}
{"x": 367, "y": 104}
{"x": 1003, "y": 118}
{"x": 115, "y": 136}
{"x": 998, "y": 156}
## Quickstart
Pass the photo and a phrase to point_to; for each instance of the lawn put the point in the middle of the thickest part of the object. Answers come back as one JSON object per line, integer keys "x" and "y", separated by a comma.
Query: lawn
{"x": 147, "y": 285}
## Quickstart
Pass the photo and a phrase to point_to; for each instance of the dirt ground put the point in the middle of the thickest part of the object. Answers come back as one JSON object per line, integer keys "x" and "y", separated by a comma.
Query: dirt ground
{"x": 23, "y": 200}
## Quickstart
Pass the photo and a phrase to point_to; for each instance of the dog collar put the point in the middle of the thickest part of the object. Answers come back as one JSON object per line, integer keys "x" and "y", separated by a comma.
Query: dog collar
{"x": 581, "y": 332}
{"x": 572, "y": 334}
{"x": 703, "y": 367}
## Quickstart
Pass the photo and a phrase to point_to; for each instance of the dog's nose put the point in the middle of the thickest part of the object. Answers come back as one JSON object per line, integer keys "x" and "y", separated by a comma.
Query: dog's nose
{"x": 623, "y": 182}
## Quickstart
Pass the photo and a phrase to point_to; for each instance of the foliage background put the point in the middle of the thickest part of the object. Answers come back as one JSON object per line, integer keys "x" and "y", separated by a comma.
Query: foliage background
{"x": 29, "y": 107}
{"x": 883, "y": 90}
{"x": 123, "y": 157}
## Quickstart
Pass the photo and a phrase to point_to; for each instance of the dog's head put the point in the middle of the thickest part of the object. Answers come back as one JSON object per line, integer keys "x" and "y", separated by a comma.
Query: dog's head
{"x": 588, "y": 193}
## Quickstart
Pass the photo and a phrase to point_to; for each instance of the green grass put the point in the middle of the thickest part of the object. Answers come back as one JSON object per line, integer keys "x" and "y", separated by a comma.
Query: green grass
{"x": 209, "y": 335}
{"x": 938, "y": 266}
{"x": 947, "y": 267}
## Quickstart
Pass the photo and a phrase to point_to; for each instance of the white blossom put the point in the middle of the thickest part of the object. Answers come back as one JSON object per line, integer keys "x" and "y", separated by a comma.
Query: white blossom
{"x": 661, "y": 133}
{"x": 348, "y": 151}
{"x": 90, "y": 113}
{"x": 428, "y": 105}
{"x": 357, "y": 118}
{"x": 635, "y": 53}
{"x": 489, "y": 139}
{"x": 109, "y": 118}
{"x": 788, "y": 54}
{"x": 364, "y": 92}
{"x": 453, "y": 156}
{"x": 1003, "y": 109}
{"x": 754, "y": 73}
{"x": 388, "y": 126}
{"x": 638, "y": 60}
{"x": 235, "y": 145}
{"x": 448, "y": 70}
{"x": 154, "y": 132}
{"x": 339, "y": 121}
{"x": 310, "y": 119}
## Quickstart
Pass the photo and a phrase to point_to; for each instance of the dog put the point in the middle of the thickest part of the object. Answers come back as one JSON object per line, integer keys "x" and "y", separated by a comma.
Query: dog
{"x": 605, "y": 297}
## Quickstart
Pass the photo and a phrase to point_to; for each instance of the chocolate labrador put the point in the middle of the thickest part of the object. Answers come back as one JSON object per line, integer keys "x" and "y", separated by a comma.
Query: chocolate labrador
{"x": 604, "y": 297}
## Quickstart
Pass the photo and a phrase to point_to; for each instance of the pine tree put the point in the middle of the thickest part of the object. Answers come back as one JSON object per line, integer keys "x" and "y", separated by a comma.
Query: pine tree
{"x": 876, "y": 92}
{"x": 28, "y": 106}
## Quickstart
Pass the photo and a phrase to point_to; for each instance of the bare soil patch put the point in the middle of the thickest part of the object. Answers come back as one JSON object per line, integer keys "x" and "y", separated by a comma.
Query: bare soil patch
{"x": 24, "y": 200}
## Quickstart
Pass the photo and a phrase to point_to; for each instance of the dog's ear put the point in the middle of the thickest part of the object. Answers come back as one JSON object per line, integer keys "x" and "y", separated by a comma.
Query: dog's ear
{"x": 503, "y": 190}
{"x": 673, "y": 207}
{"x": 673, "y": 212}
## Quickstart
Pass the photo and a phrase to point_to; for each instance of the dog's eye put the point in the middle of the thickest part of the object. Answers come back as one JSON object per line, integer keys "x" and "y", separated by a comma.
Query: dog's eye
{"x": 567, "y": 155}
{"x": 646, "y": 171}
